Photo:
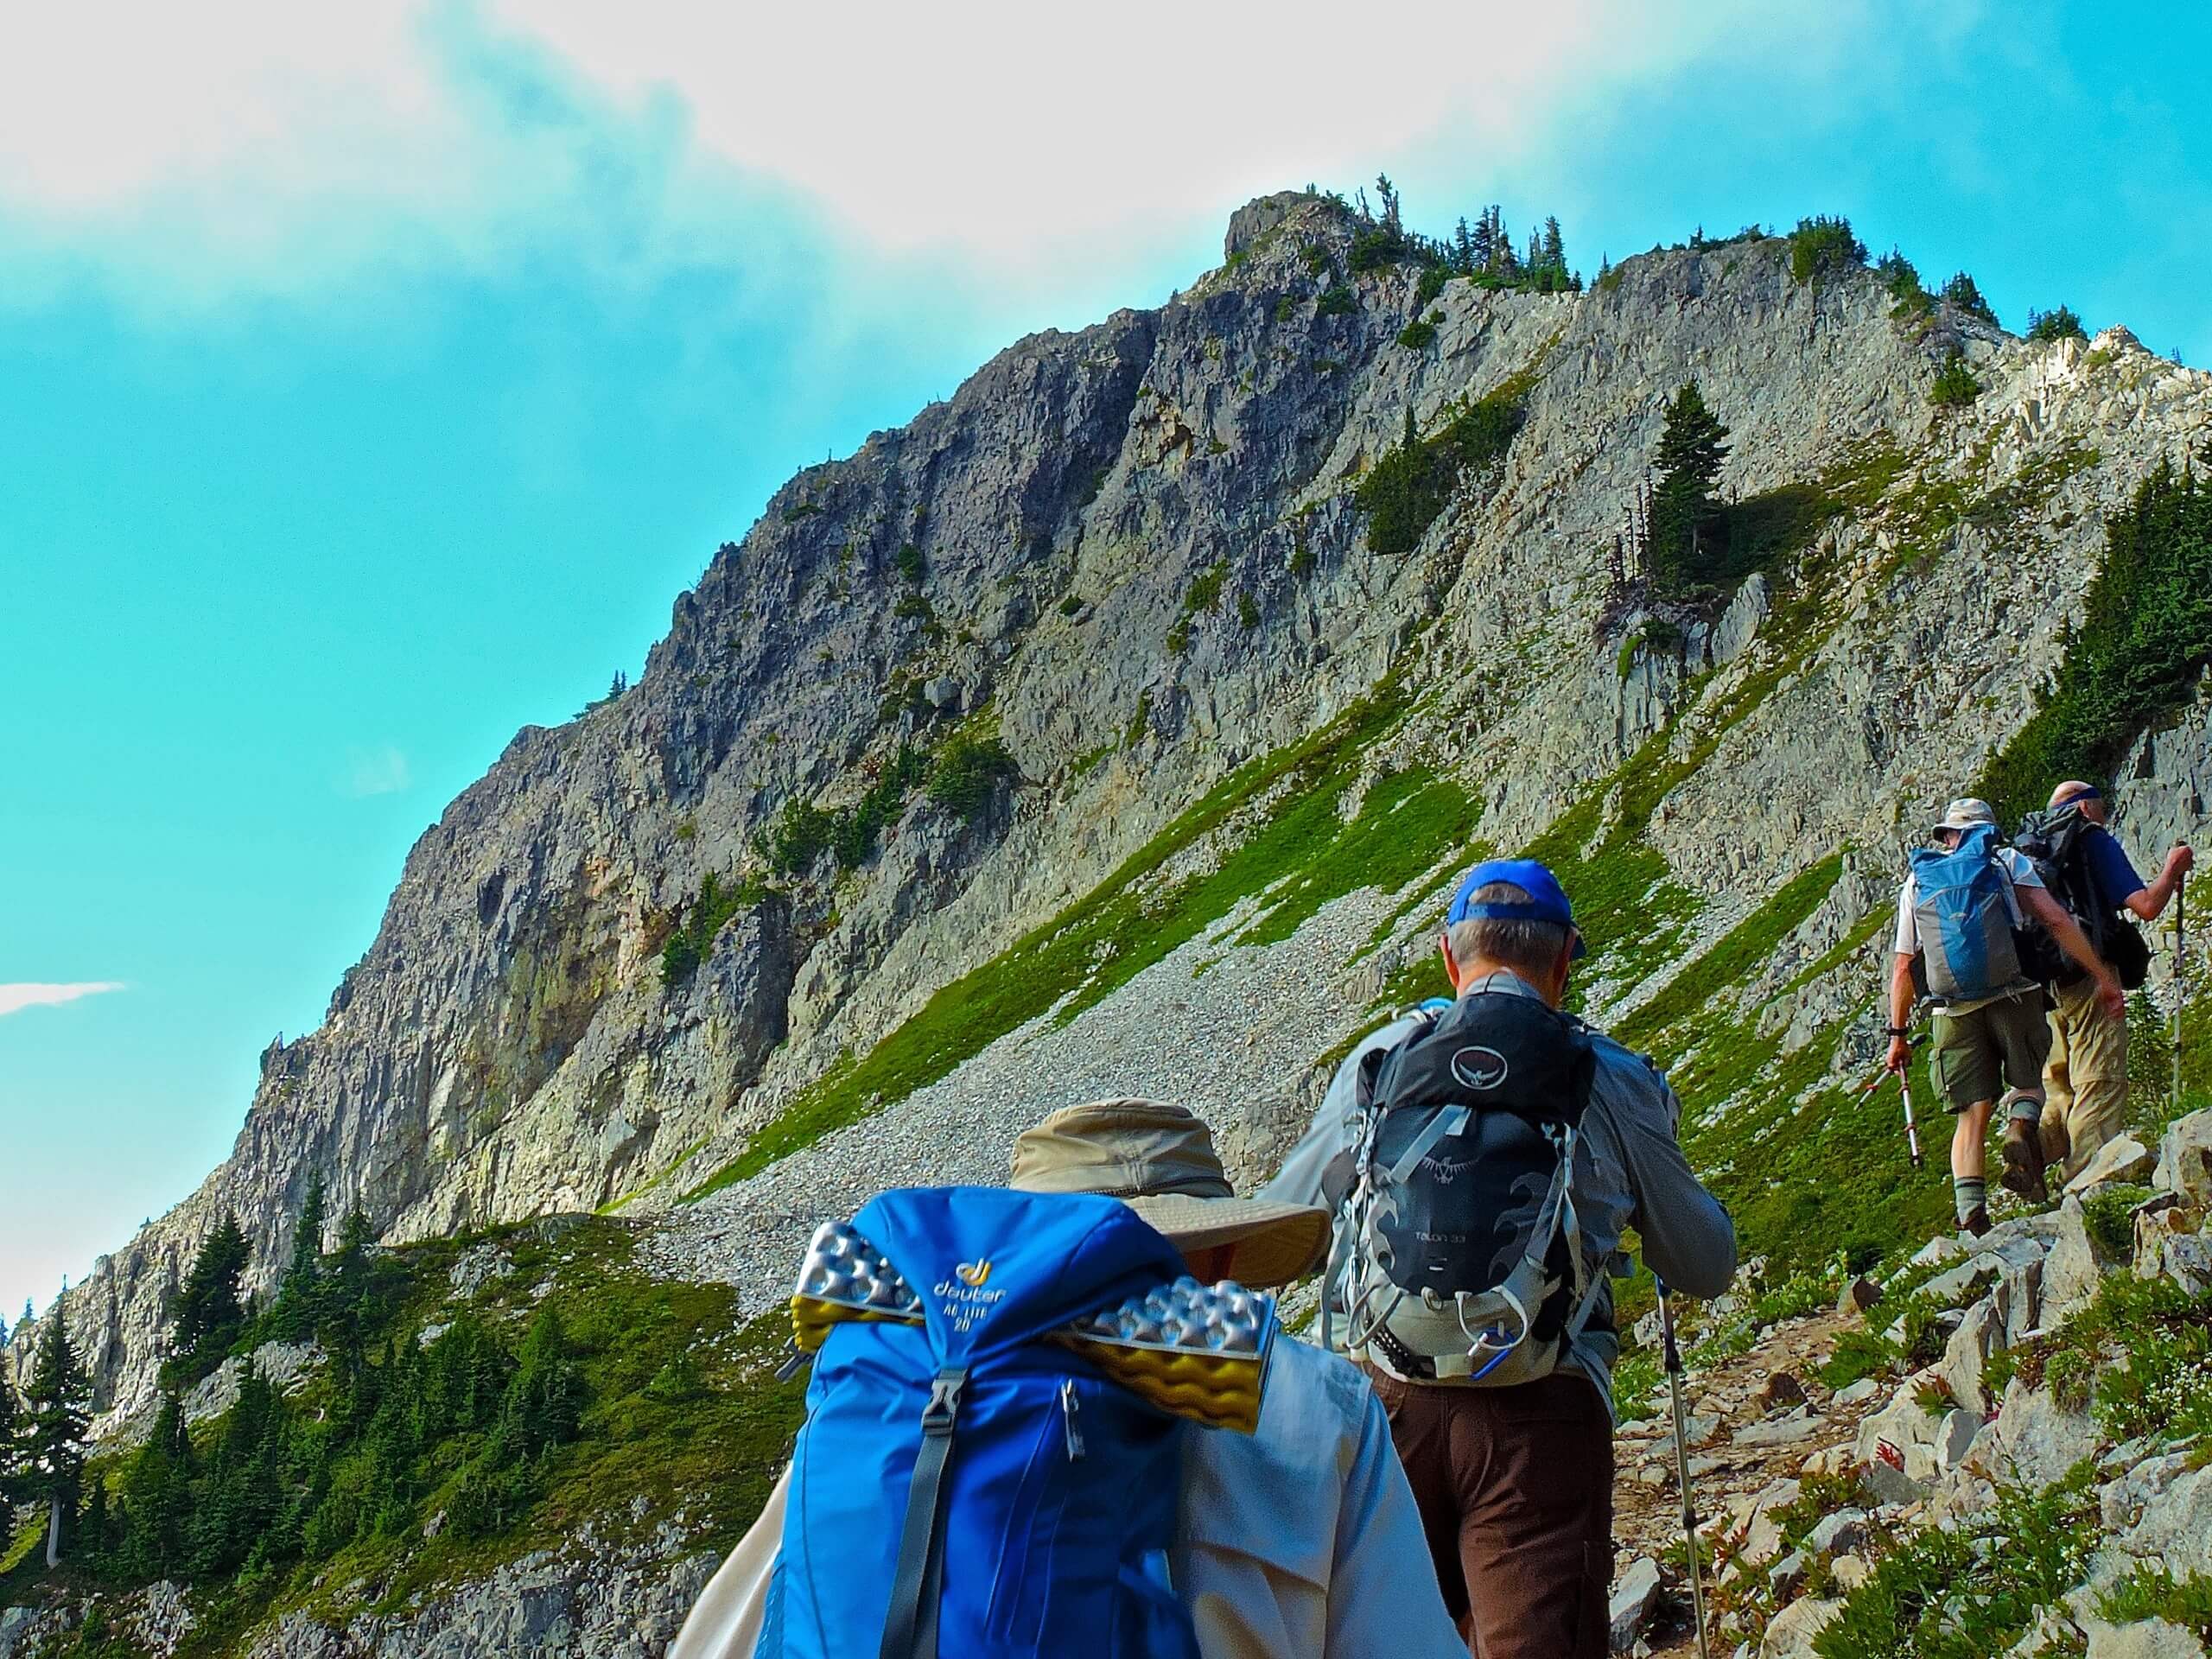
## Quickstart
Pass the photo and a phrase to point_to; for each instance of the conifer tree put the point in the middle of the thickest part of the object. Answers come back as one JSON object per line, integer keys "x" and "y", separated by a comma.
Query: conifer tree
{"x": 2059, "y": 324}
{"x": 1691, "y": 450}
{"x": 1962, "y": 294}
{"x": 544, "y": 1402}
{"x": 1387, "y": 193}
{"x": 209, "y": 1314}
{"x": 299, "y": 1299}
{"x": 157, "y": 1496}
{"x": 58, "y": 1409}
{"x": 1482, "y": 247}
{"x": 12, "y": 1444}
{"x": 96, "y": 1525}
{"x": 1554, "y": 246}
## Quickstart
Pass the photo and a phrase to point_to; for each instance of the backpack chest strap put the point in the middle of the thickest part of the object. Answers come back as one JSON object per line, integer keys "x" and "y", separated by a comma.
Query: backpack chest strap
{"x": 1450, "y": 1120}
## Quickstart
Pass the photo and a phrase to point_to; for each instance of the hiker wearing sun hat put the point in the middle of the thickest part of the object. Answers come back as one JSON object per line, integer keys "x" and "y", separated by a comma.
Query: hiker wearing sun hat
{"x": 1301, "y": 1538}
{"x": 1961, "y": 915}
{"x": 1484, "y": 1155}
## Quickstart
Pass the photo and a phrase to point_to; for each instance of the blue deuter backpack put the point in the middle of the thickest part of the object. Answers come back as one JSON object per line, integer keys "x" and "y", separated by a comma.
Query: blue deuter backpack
{"x": 1964, "y": 914}
{"x": 972, "y": 1479}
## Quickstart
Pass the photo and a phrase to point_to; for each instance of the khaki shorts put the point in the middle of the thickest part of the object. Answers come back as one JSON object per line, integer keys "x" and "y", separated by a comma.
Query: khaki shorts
{"x": 1996, "y": 1049}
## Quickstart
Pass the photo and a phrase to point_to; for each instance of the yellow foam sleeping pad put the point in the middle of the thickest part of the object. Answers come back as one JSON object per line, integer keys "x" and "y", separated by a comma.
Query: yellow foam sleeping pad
{"x": 1197, "y": 1351}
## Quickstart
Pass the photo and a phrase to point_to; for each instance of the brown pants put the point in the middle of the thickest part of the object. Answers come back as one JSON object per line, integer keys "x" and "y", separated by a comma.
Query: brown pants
{"x": 1515, "y": 1487}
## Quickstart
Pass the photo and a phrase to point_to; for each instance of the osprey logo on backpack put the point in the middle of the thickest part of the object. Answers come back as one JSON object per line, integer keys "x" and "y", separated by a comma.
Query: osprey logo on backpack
{"x": 1480, "y": 1068}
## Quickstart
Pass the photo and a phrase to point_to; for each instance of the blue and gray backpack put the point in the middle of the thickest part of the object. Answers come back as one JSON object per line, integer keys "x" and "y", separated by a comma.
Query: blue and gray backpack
{"x": 1965, "y": 914}
{"x": 990, "y": 1464}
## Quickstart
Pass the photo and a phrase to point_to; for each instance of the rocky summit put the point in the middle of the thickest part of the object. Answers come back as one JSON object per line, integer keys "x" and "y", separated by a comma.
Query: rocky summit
{"x": 1080, "y": 738}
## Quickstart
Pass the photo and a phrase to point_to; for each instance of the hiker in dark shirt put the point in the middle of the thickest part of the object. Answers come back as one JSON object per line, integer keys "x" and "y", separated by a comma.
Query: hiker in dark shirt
{"x": 2084, "y": 1077}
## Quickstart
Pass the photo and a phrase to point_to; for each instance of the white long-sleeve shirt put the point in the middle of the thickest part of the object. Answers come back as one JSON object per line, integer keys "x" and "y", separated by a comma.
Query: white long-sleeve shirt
{"x": 1299, "y": 1541}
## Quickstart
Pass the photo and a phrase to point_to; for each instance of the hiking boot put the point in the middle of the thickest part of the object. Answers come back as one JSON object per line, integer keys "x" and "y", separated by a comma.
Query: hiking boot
{"x": 1977, "y": 1220}
{"x": 2024, "y": 1162}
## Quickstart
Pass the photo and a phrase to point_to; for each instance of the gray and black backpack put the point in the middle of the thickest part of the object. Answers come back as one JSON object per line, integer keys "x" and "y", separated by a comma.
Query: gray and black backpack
{"x": 1459, "y": 1256}
{"x": 2056, "y": 842}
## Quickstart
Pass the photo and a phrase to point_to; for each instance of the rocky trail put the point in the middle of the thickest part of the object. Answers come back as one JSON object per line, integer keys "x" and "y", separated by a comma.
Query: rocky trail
{"x": 2019, "y": 1463}
{"x": 1756, "y": 1419}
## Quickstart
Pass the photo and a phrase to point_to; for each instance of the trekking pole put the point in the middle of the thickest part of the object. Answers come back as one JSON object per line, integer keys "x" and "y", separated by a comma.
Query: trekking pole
{"x": 1911, "y": 1129}
{"x": 1673, "y": 1359}
{"x": 2181, "y": 986}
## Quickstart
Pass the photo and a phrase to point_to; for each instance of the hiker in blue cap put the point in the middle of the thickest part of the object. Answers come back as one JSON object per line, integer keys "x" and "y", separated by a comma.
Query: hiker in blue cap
{"x": 1483, "y": 1157}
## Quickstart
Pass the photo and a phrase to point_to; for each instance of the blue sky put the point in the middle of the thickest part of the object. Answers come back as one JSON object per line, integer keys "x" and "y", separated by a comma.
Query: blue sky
{"x": 365, "y": 397}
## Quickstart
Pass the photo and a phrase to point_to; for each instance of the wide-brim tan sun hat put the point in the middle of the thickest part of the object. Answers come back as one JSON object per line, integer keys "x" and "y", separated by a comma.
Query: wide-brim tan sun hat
{"x": 1964, "y": 814}
{"x": 1159, "y": 1158}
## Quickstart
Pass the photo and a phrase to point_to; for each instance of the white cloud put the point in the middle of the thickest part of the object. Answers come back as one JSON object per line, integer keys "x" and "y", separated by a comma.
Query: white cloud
{"x": 263, "y": 147}
{"x": 381, "y": 771}
{"x": 13, "y": 999}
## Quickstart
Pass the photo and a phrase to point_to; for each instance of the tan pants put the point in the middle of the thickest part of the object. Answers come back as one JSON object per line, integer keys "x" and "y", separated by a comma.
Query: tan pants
{"x": 2085, "y": 1080}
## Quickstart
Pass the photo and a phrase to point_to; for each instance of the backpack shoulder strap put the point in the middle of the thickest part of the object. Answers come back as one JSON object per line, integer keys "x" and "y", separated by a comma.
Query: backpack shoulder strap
{"x": 910, "y": 1631}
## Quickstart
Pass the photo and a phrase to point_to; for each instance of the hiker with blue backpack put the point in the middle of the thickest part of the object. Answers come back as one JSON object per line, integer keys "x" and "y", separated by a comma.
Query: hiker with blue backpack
{"x": 1484, "y": 1157}
{"x": 2085, "y": 1076}
{"x": 1057, "y": 1419}
{"x": 1967, "y": 921}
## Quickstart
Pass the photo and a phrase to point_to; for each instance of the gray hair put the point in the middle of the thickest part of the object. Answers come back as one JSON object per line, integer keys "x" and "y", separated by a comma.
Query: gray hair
{"x": 1518, "y": 944}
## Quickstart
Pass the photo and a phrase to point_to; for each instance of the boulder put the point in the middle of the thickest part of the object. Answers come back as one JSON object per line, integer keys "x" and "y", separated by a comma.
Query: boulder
{"x": 1635, "y": 1593}
{"x": 1780, "y": 1390}
{"x": 2123, "y": 1158}
{"x": 1953, "y": 1283}
{"x": 2121, "y": 1501}
{"x": 1851, "y": 1571}
{"x": 2035, "y": 1440}
{"x": 1851, "y": 1393}
{"x": 2185, "y": 1160}
{"x": 2157, "y": 1220}
{"x": 1740, "y": 621}
{"x": 2019, "y": 1295}
{"x": 1897, "y": 1425}
{"x": 2187, "y": 1260}
{"x": 1859, "y": 1295}
{"x": 1790, "y": 1634}
{"x": 1829, "y": 1460}
{"x": 944, "y": 693}
{"x": 1979, "y": 1335}
{"x": 2170, "y": 1529}
{"x": 1889, "y": 1485}
{"x": 1787, "y": 1576}
{"x": 2074, "y": 1268}
{"x": 1762, "y": 1532}
{"x": 1954, "y": 1437}
{"x": 1786, "y": 1430}
{"x": 1838, "y": 1532}
{"x": 1937, "y": 1250}
{"x": 2150, "y": 1638}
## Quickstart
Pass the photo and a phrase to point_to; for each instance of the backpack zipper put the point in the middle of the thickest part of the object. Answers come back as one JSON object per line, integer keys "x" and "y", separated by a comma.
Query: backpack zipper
{"x": 1069, "y": 1406}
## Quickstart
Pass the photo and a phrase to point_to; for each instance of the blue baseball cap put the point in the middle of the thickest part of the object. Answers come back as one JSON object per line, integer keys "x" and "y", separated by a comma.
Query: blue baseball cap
{"x": 1547, "y": 901}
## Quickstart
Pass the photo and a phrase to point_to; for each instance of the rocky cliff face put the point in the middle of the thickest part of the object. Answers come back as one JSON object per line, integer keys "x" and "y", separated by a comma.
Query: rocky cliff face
{"x": 1133, "y": 553}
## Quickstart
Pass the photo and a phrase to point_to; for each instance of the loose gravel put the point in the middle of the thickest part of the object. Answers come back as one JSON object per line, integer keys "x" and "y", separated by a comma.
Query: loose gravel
{"x": 1231, "y": 1048}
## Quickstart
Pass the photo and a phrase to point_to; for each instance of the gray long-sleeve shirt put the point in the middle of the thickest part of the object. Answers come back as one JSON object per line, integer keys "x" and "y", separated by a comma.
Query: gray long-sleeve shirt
{"x": 1629, "y": 1172}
